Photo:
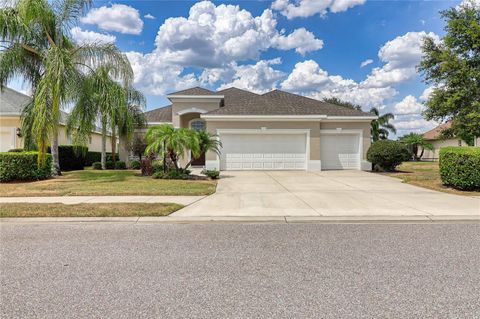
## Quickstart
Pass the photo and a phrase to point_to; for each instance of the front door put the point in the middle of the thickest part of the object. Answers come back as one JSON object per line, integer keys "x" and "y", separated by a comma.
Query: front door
{"x": 198, "y": 124}
{"x": 199, "y": 161}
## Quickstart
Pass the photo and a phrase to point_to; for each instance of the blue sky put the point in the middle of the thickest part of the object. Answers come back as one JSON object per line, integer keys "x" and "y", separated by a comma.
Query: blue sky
{"x": 313, "y": 48}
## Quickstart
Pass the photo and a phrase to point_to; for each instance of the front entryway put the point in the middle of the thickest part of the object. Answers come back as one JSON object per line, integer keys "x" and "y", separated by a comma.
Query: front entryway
{"x": 263, "y": 151}
{"x": 199, "y": 161}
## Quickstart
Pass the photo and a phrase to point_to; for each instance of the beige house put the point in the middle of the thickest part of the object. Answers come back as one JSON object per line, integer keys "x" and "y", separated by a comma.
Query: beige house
{"x": 272, "y": 131}
{"x": 434, "y": 136}
{"x": 11, "y": 106}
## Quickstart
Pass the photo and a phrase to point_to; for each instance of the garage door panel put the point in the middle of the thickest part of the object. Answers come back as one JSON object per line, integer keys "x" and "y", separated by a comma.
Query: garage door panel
{"x": 263, "y": 151}
{"x": 340, "y": 151}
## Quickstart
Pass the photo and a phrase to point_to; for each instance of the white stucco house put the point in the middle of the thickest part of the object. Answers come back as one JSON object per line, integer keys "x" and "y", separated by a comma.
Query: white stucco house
{"x": 272, "y": 131}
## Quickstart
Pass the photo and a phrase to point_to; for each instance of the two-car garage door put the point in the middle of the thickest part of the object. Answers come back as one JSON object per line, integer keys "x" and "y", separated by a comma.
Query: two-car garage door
{"x": 263, "y": 151}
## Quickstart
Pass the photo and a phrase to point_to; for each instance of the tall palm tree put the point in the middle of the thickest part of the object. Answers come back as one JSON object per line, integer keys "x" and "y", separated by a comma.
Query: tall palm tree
{"x": 100, "y": 97}
{"x": 38, "y": 48}
{"x": 380, "y": 128}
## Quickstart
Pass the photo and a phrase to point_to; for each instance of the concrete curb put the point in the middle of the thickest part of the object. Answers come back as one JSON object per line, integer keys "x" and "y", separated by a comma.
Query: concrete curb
{"x": 242, "y": 219}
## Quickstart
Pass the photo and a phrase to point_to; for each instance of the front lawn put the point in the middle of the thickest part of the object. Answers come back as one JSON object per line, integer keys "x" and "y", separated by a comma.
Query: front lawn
{"x": 108, "y": 182}
{"x": 425, "y": 174}
{"x": 86, "y": 210}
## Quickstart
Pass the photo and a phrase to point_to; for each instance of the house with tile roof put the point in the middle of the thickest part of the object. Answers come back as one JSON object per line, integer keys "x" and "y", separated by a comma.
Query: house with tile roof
{"x": 435, "y": 137}
{"x": 272, "y": 131}
{"x": 12, "y": 104}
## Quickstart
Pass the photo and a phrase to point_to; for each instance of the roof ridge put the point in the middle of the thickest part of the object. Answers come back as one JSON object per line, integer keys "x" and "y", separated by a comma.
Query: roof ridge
{"x": 239, "y": 89}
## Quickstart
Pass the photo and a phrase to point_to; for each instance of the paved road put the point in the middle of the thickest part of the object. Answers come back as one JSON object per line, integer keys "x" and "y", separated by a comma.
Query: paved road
{"x": 240, "y": 271}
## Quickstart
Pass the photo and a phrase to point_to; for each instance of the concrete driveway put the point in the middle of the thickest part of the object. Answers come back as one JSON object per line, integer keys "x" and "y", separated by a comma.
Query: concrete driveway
{"x": 327, "y": 193}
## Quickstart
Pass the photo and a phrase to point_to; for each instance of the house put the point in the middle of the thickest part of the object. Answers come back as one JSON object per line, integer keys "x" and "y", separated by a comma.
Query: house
{"x": 435, "y": 137}
{"x": 272, "y": 131}
{"x": 11, "y": 105}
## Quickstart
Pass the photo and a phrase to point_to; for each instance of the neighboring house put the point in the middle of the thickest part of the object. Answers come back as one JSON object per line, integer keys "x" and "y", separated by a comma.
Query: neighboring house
{"x": 11, "y": 106}
{"x": 273, "y": 131}
{"x": 434, "y": 136}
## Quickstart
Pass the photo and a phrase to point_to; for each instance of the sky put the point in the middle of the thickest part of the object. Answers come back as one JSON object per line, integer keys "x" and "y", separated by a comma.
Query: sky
{"x": 360, "y": 51}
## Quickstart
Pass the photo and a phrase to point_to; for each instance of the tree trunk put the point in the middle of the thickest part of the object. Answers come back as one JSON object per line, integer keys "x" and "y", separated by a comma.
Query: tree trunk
{"x": 421, "y": 154}
{"x": 104, "y": 146}
{"x": 55, "y": 156}
{"x": 164, "y": 158}
{"x": 113, "y": 140}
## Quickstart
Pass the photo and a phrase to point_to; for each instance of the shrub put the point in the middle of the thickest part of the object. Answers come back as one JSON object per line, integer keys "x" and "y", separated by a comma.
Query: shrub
{"x": 97, "y": 157}
{"x": 97, "y": 165}
{"x": 135, "y": 165}
{"x": 120, "y": 165}
{"x": 109, "y": 165}
{"x": 385, "y": 155}
{"x": 460, "y": 167}
{"x": 172, "y": 174}
{"x": 23, "y": 166}
{"x": 212, "y": 173}
{"x": 157, "y": 166}
{"x": 71, "y": 157}
{"x": 16, "y": 150}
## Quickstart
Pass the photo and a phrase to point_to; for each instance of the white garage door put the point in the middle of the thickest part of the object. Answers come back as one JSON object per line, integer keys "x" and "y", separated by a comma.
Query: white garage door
{"x": 340, "y": 151}
{"x": 263, "y": 151}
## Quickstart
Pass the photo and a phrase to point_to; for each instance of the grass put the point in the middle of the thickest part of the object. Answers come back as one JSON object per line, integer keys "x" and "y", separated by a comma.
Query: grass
{"x": 108, "y": 182}
{"x": 86, "y": 210}
{"x": 426, "y": 174}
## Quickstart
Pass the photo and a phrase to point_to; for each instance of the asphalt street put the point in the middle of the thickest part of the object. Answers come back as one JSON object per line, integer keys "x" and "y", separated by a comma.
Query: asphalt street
{"x": 114, "y": 270}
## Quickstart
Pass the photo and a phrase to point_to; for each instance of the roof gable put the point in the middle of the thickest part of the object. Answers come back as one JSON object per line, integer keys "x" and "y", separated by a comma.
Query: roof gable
{"x": 160, "y": 115}
{"x": 194, "y": 91}
{"x": 436, "y": 133}
{"x": 12, "y": 101}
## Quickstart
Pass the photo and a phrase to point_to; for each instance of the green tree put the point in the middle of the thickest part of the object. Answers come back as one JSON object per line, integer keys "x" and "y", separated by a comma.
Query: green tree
{"x": 337, "y": 101}
{"x": 37, "y": 48}
{"x": 452, "y": 66}
{"x": 206, "y": 142}
{"x": 381, "y": 127}
{"x": 414, "y": 143}
{"x": 167, "y": 140}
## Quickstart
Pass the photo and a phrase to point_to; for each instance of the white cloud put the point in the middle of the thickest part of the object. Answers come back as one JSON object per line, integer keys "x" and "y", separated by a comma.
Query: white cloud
{"x": 119, "y": 17}
{"x": 258, "y": 78}
{"x": 427, "y": 93}
{"x": 307, "y": 8}
{"x": 309, "y": 79}
{"x": 414, "y": 123}
{"x": 149, "y": 16}
{"x": 366, "y": 62}
{"x": 409, "y": 105}
{"x": 401, "y": 56}
{"x": 83, "y": 36}
{"x": 301, "y": 40}
{"x": 470, "y": 3}
{"x": 212, "y": 36}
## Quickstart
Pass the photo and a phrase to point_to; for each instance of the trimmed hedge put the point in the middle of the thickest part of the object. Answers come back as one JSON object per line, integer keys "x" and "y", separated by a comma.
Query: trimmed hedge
{"x": 120, "y": 165}
{"x": 135, "y": 165}
{"x": 97, "y": 165}
{"x": 72, "y": 157}
{"x": 93, "y": 157}
{"x": 460, "y": 167}
{"x": 23, "y": 166}
{"x": 386, "y": 155}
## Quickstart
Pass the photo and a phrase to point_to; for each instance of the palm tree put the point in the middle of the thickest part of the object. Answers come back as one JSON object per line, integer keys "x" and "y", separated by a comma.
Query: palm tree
{"x": 380, "y": 128}
{"x": 100, "y": 97}
{"x": 38, "y": 48}
{"x": 207, "y": 142}
{"x": 166, "y": 140}
{"x": 414, "y": 141}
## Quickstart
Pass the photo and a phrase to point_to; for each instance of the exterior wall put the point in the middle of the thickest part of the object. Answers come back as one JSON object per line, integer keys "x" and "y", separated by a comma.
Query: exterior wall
{"x": 8, "y": 126}
{"x": 186, "y": 118}
{"x": 178, "y": 106}
{"x": 437, "y": 144}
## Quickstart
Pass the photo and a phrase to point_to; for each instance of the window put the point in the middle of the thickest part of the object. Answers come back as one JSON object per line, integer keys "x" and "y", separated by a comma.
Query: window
{"x": 197, "y": 124}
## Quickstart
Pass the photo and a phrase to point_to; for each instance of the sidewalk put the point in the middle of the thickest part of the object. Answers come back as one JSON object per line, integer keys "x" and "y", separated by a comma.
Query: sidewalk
{"x": 71, "y": 200}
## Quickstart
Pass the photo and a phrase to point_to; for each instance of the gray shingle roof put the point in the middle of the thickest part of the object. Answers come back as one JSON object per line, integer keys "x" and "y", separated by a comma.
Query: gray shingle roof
{"x": 240, "y": 102}
{"x": 194, "y": 91}
{"x": 12, "y": 102}
{"x": 162, "y": 114}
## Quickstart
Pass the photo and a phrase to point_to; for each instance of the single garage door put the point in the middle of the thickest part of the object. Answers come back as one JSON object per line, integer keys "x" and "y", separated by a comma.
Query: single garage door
{"x": 263, "y": 151}
{"x": 340, "y": 151}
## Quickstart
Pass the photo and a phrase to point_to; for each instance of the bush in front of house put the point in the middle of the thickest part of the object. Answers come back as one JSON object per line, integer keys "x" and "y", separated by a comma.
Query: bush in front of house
{"x": 16, "y": 150}
{"x": 212, "y": 173}
{"x": 157, "y": 166}
{"x": 97, "y": 165}
{"x": 109, "y": 165}
{"x": 460, "y": 167}
{"x": 386, "y": 155}
{"x": 93, "y": 157}
{"x": 135, "y": 165}
{"x": 173, "y": 174}
{"x": 120, "y": 165}
{"x": 23, "y": 166}
{"x": 72, "y": 157}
